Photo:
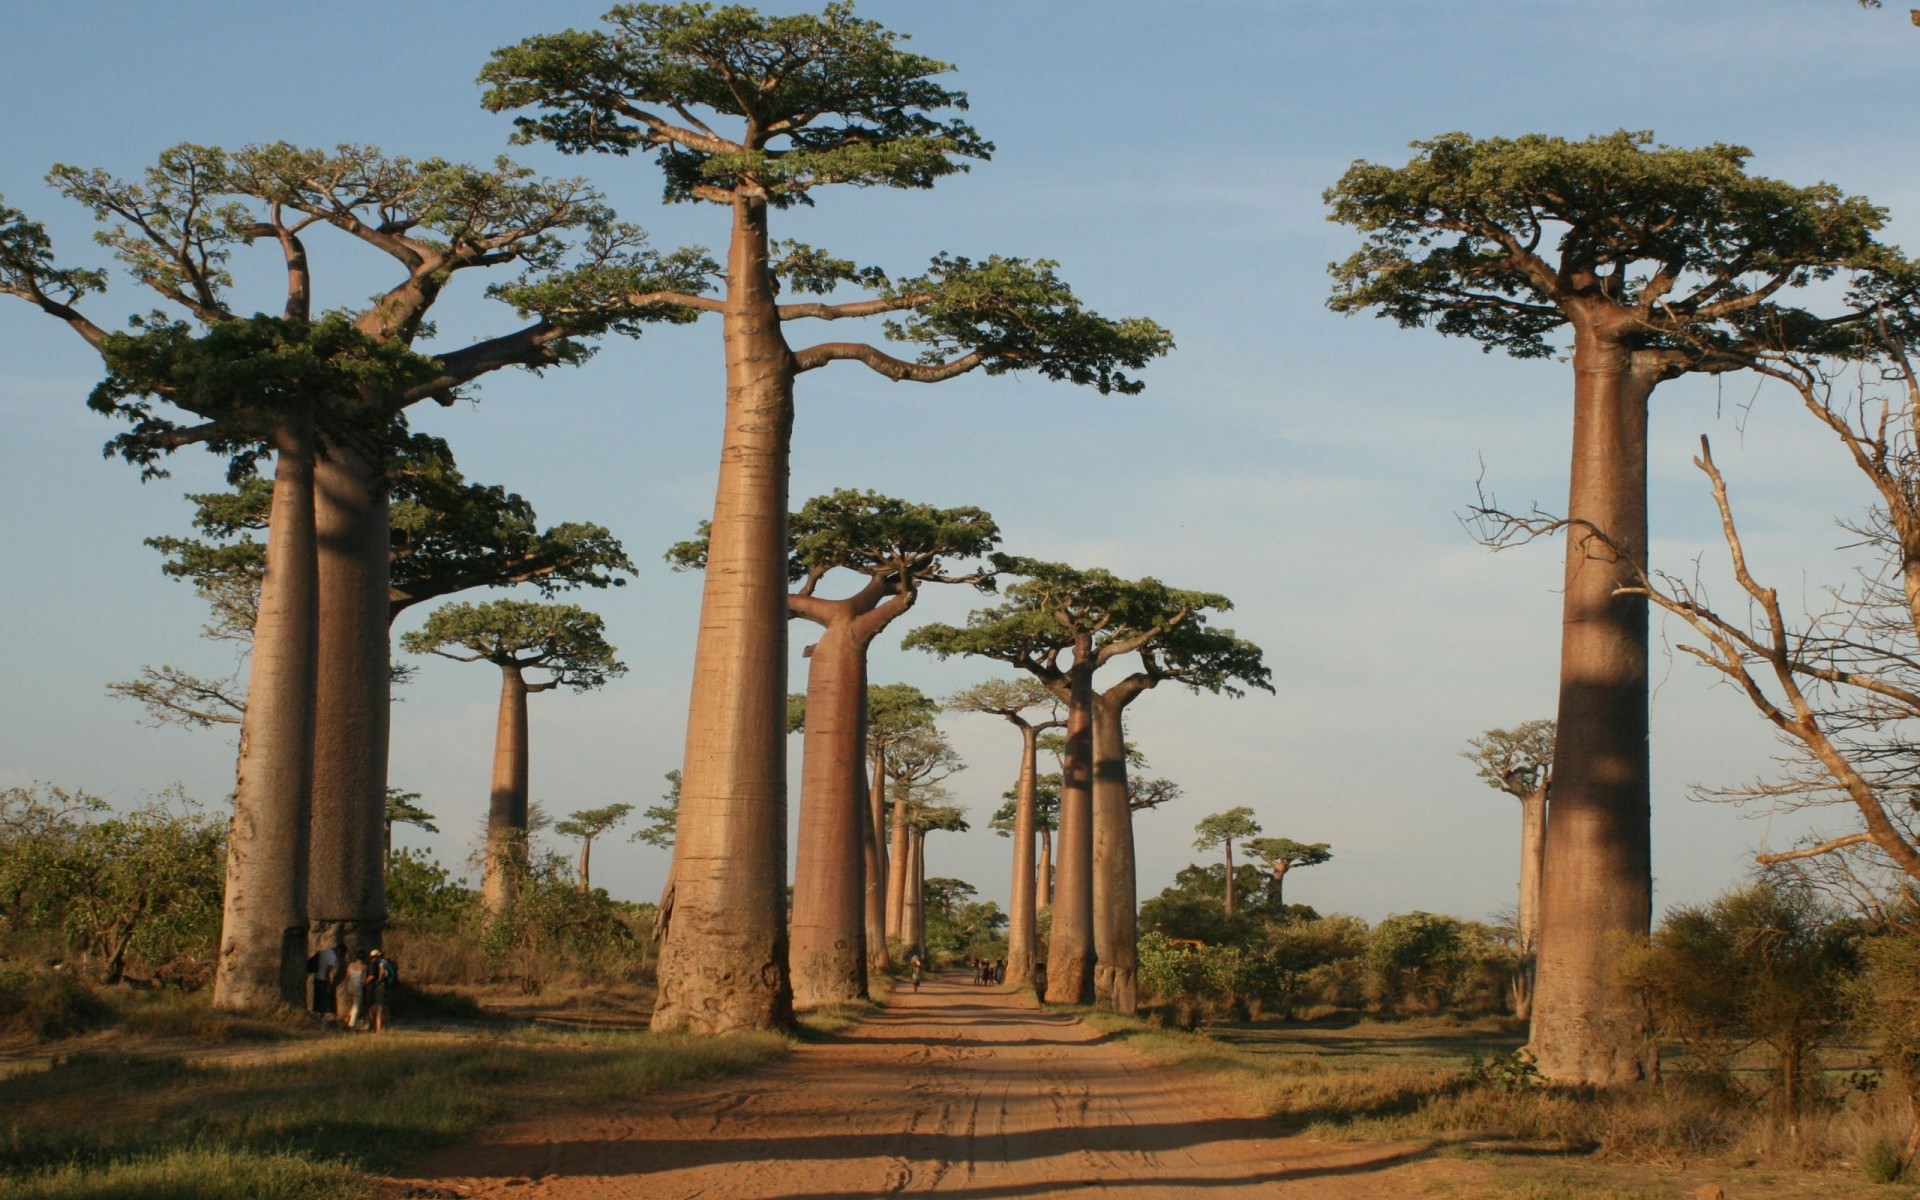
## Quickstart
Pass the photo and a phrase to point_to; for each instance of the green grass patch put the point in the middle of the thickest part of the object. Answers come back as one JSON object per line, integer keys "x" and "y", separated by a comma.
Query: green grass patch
{"x": 112, "y": 1124}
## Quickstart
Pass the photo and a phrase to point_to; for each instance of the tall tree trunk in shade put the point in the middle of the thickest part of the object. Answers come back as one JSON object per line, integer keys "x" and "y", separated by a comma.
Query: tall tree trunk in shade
{"x": 1070, "y": 942}
{"x": 1598, "y": 886}
{"x": 1043, "y": 874}
{"x": 1229, "y": 848}
{"x": 263, "y": 926}
{"x": 1020, "y": 904}
{"x": 1533, "y": 852}
{"x": 913, "y": 905}
{"x": 723, "y": 964}
{"x": 506, "y": 864}
{"x": 874, "y": 847}
{"x": 346, "y": 885}
{"x": 1115, "y": 925}
{"x": 829, "y": 952}
{"x": 897, "y": 873}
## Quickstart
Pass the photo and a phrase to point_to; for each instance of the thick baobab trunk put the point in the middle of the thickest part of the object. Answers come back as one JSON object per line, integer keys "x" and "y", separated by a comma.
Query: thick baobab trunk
{"x": 1598, "y": 887}
{"x": 723, "y": 965}
{"x": 1115, "y": 927}
{"x": 1043, "y": 874}
{"x": 586, "y": 863}
{"x": 913, "y": 910}
{"x": 263, "y": 926}
{"x": 1070, "y": 942}
{"x": 901, "y": 839}
{"x": 346, "y": 884}
{"x": 506, "y": 865}
{"x": 829, "y": 952}
{"x": 1533, "y": 849}
{"x": 1020, "y": 904}
{"x": 874, "y": 845}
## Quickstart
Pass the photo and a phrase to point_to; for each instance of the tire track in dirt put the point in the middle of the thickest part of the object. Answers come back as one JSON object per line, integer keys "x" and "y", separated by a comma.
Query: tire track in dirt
{"x": 955, "y": 1091}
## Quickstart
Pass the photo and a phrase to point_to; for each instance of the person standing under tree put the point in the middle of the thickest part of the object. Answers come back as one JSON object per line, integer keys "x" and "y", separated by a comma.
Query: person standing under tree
{"x": 380, "y": 977}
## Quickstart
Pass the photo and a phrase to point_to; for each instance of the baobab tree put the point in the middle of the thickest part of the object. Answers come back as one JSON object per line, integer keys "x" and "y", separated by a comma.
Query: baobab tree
{"x": 758, "y": 113}
{"x": 897, "y": 547}
{"x": 1046, "y": 819}
{"x": 259, "y": 387}
{"x": 925, "y": 814}
{"x": 1284, "y": 854}
{"x": 1011, "y": 700}
{"x": 176, "y": 231}
{"x": 916, "y": 763}
{"x": 448, "y": 535}
{"x": 1519, "y": 762}
{"x": 588, "y": 824}
{"x": 567, "y": 647}
{"x": 1659, "y": 261}
{"x": 1099, "y": 617}
{"x": 894, "y": 711}
{"x": 1218, "y": 831}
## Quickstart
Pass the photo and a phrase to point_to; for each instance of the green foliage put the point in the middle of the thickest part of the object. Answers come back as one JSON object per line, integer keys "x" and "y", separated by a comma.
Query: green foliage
{"x": 1225, "y": 828}
{"x": 115, "y": 890}
{"x": 1016, "y": 314}
{"x": 242, "y": 377}
{"x": 1193, "y": 906}
{"x": 423, "y": 895}
{"x": 878, "y": 536}
{"x": 1516, "y": 761}
{"x": 661, "y": 818}
{"x": 1053, "y": 604}
{"x": 552, "y": 926}
{"x": 563, "y": 640}
{"x": 1279, "y": 852}
{"x": 590, "y": 823}
{"x": 1768, "y": 963}
{"x": 823, "y": 99}
{"x": 1414, "y": 955}
{"x": 1495, "y": 238}
{"x": 958, "y": 927}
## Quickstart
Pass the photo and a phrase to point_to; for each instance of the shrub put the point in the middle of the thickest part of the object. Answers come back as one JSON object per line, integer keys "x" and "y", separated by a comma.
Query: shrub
{"x": 1766, "y": 963}
{"x": 47, "y": 1003}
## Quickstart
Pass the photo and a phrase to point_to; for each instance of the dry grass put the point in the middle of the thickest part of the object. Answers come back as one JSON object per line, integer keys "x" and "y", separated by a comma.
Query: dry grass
{"x": 1404, "y": 1080}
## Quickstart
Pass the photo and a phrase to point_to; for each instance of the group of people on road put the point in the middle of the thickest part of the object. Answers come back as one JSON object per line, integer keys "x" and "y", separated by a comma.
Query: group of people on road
{"x": 989, "y": 971}
{"x": 366, "y": 979}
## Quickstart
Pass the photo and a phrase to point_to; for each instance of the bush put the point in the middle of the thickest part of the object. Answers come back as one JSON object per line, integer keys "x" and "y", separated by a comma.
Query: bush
{"x": 47, "y": 1004}
{"x": 1766, "y": 963}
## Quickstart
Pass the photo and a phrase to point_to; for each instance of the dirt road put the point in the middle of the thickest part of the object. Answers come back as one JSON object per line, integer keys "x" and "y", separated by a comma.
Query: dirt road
{"x": 956, "y": 1091}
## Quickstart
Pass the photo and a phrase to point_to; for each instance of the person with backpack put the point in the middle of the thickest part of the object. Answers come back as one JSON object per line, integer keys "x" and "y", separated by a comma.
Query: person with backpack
{"x": 381, "y": 976}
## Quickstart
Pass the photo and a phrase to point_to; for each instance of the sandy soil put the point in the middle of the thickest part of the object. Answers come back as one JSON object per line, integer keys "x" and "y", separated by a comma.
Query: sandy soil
{"x": 954, "y": 1090}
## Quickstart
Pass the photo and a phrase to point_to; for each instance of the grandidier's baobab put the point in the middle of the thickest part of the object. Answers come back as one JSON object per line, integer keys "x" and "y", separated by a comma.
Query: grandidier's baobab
{"x": 588, "y": 824}
{"x": 1657, "y": 261}
{"x": 256, "y": 388}
{"x": 894, "y": 712}
{"x": 448, "y": 535}
{"x": 1218, "y": 831}
{"x": 1519, "y": 762}
{"x": 916, "y": 764}
{"x": 1283, "y": 855}
{"x": 758, "y": 113}
{"x": 1099, "y": 617}
{"x": 177, "y": 229}
{"x": 1012, "y": 700}
{"x": 566, "y": 646}
{"x": 896, "y": 547}
{"x": 925, "y": 814}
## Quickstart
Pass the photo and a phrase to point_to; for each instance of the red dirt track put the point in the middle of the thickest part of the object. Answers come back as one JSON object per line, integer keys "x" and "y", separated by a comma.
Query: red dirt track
{"x": 955, "y": 1091}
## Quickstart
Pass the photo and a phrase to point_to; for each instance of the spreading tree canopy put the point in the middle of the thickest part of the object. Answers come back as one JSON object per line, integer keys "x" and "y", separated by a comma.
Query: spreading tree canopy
{"x": 759, "y": 113}
{"x": 1658, "y": 261}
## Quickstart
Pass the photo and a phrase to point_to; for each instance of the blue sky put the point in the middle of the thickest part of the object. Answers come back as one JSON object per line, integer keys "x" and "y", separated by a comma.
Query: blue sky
{"x": 1172, "y": 157}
